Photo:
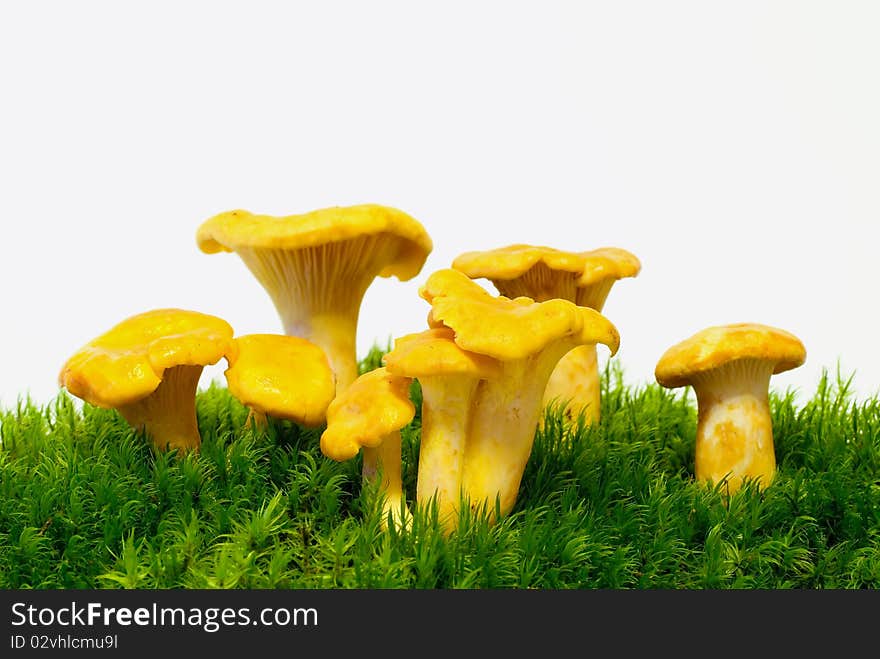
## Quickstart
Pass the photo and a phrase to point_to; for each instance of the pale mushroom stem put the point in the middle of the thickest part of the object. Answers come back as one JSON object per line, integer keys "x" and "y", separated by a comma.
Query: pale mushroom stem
{"x": 386, "y": 461}
{"x": 446, "y": 411}
{"x": 168, "y": 415}
{"x": 574, "y": 385}
{"x": 506, "y": 411}
{"x": 734, "y": 428}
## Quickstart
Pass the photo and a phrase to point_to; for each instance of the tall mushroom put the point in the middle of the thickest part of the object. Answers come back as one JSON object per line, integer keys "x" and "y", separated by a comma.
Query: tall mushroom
{"x": 317, "y": 266}
{"x": 285, "y": 377}
{"x": 448, "y": 376}
{"x": 528, "y": 338}
{"x": 545, "y": 273}
{"x": 729, "y": 367}
{"x": 148, "y": 368}
{"x": 369, "y": 414}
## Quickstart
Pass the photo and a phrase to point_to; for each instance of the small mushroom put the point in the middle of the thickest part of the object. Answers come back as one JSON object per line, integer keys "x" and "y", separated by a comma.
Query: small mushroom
{"x": 528, "y": 338}
{"x": 729, "y": 367}
{"x": 448, "y": 376}
{"x": 285, "y": 377}
{"x": 545, "y": 273}
{"x": 148, "y": 368}
{"x": 369, "y": 414}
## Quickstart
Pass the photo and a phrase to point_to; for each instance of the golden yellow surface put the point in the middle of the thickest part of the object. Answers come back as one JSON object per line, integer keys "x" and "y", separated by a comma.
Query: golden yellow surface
{"x": 575, "y": 384}
{"x": 377, "y": 403}
{"x": 127, "y": 362}
{"x": 735, "y": 441}
{"x": 434, "y": 352}
{"x": 509, "y": 329}
{"x": 286, "y": 377}
{"x": 514, "y": 261}
{"x": 715, "y": 346}
{"x": 236, "y": 229}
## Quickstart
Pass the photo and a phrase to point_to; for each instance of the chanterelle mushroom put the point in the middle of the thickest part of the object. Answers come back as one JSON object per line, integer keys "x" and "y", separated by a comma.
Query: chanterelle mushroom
{"x": 317, "y": 266}
{"x": 545, "y": 273}
{"x": 528, "y": 338}
{"x": 286, "y": 377}
{"x": 369, "y": 414}
{"x": 448, "y": 376}
{"x": 148, "y": 367}
{"x": 729, "y": 367}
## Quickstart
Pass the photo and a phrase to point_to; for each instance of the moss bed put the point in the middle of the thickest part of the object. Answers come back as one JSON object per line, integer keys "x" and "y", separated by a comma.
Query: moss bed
{"x": 84, "y": 503}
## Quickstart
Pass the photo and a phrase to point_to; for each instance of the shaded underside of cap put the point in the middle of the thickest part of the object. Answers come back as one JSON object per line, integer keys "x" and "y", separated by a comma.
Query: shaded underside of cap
{"x": 434, "y": 352}
{"x": 374, "y": 405}
{"x": 510, "y": 329}
{"x": 716, "y": 346}
{"x": 286, "y": 377}
{"x": 127, "y": 362}
{"x": 239, "y": 229}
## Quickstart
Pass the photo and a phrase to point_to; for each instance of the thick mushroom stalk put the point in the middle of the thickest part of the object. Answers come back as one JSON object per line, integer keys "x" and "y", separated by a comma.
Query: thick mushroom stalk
{"x": 545, "y": 273}
{"x": 449, "y": 377}
{"x": 316, "y": 268}
{"x": 369, "y": 415}
{"x": 147, "y": 368}
{"x": 729, "y": 368}
{"x": 528, "y": 338}
{"x": 168, "y": 415}
{"x": 505, "y": 417}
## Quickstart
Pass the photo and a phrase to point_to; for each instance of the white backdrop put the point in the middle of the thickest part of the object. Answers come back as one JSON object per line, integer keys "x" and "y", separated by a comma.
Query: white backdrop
{"x": 733, "y": 147}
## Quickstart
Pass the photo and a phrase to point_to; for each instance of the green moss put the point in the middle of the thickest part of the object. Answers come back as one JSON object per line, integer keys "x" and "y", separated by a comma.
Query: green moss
{"x": 84, "y": 503}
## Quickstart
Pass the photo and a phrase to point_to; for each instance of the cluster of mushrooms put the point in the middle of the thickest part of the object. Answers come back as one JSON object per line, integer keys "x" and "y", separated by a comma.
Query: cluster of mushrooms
{"x": 488, "y": 365}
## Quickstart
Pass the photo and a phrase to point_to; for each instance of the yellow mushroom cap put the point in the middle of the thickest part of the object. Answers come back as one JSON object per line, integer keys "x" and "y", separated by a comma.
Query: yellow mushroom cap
{"x": 510, "y": 329}
{"x": 716, "y": 346}
{"x": 608, "y": 263}
{"x": 375, "y": 405}
{"x": 514, "y": 261}
{"x": 286, "y": 377}
{"x": 236, "y": 229}
{"x": 126, "y": 363}
{"x": 434, "y": 352}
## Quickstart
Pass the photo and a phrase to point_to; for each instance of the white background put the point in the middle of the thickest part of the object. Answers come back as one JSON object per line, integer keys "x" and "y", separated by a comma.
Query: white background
{"x": 733, "y": 147}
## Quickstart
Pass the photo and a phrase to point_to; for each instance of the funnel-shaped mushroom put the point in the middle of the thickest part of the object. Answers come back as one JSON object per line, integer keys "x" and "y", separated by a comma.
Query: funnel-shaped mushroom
{"x": 285, "y": 377}
{"x": 148, "y": 367}
{"x": 729, "y": 367}
{"x": 528, "y": 338}
{"x": 448, "y": 376}
{"x": 544, "y": 273}
{"x": 369, "y": 414}
{"x": 317, "y": 266}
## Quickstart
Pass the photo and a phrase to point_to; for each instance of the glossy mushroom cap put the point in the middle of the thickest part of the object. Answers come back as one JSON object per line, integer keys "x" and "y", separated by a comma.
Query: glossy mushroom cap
{"x": 127, "y": 363}
{"x": 544, "y": 273}
{"x": 717, "y": 346}
{"x": 509, "y": 329}
{"x": 286, "y": 377}
{"x": 374, "y": 406}
{"x": 234, "y": 230}
{"x": 434, "y": 352}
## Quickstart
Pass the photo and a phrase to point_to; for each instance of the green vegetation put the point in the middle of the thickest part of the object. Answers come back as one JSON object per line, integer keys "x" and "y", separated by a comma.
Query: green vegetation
{"x": 84, "y": 503}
